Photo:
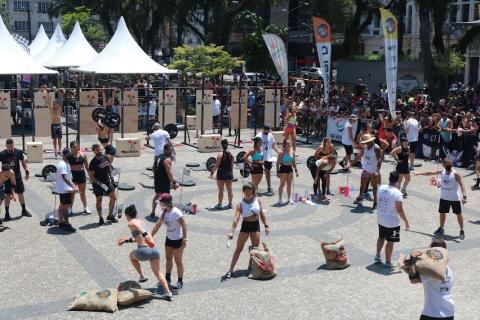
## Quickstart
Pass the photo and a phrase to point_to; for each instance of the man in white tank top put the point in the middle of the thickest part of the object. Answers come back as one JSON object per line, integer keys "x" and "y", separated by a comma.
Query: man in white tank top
{"x": 450, "y": 184}
{"x": 371, "y": 156}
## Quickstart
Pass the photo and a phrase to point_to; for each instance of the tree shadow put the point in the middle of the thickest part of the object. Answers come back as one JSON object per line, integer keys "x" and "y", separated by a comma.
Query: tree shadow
{"x": 381, "y": 269}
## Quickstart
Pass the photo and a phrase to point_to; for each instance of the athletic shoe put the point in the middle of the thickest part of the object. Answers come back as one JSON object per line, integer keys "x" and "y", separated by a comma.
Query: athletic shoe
{"x": 377, "y": 259}
{"x": 476, "y": 187}
{"x": 229, "y": 206}
{"x": 152, "y": 215}
{"x": 87, "y": 211}
{"x": 374, "y": 206}
{"x": 218, "y": 206}
{"x": 411, "y": 168}
{"x": 112, "y": 219}
{"x": 330, "y": 193}
{"x": 142, "y": 279}
{"x": 389, "y": 265}
{"x": 439, "y": 231}
{"x": 228, "y": 275}
{"x": 367, "y": 195}
{"x": 462, "y": 235}
{"x": 101, "y": 222}
{"x": 358, "y": 201}
{"x": 7, "y": 217}
{"x": 168, "y": 296}
{"x": 25, "y": 213}
{"x": 178, "y": 286}
{"x": 290, "y": 201}
{"x": 270, "y": 190}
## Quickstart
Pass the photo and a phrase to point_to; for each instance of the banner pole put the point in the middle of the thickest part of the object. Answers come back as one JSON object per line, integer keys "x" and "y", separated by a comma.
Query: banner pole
{"x": 203, "y": 105}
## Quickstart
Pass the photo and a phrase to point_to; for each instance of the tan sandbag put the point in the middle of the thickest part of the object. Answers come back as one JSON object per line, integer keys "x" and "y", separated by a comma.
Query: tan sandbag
{"x": 105, "y": 300}
{"x": 132, "y": 295}
{"x": 335, "y": 254}
{"x": 130, "y": 284}
{"x": 431, "y": 263}
{"x": 263, "y": 264}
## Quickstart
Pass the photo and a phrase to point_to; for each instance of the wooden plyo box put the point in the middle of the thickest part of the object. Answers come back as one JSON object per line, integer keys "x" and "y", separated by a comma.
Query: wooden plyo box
{"x": 209, "y": 143}
{"x": 35, "y": 152}
{"x": 128, "y": 147}
{"x": 278, "y": 135}
{"x": 191, "y": 121}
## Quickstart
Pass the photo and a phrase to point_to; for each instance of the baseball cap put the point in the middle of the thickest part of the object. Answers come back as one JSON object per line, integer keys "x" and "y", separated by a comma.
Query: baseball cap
{"x": 157, "y": 125}
{"x": 165, "y": 198}
{"x": 66, "y": 152}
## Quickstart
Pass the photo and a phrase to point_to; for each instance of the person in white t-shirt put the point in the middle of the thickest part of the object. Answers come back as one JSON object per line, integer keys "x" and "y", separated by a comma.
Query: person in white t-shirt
{"x": 348, "y": 139}
{"x": 176, "y": 238}
{"x": 160, "y": 138}
{"x": 216, "y": 110}
{"x": 269, "y": 144}
{"x": 437, "y": 294}
{"x": 411, "y": 130}
{"x": 390, "y": 211}
{"x": 64, "y": 188}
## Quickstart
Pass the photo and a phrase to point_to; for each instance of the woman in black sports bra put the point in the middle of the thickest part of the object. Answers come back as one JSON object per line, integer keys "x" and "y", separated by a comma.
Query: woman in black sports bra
{"x": 224, "y": 164}
{"x": 78, "y": 164}
{"x": 105, "y": 136}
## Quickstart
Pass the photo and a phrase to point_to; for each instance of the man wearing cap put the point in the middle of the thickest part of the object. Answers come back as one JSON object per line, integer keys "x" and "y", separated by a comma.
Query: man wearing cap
{"x": 64, "y": 188}
{"x": 269, "y": 144}
{"x": 160, "y": 138}
{"x": 348, "y": 139}
{"x": 371, "y": 156}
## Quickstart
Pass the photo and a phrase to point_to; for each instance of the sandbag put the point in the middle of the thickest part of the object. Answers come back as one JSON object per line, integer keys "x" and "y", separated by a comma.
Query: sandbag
{"x": 431, "y": 263}
{"x": 130, "y": 292}
{"x": 105, "y": 300}
{"x": 262, "y": 264}
{"x": 335, "y": 254}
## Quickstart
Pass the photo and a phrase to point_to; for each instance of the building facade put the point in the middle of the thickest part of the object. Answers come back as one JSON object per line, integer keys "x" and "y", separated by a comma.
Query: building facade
{"x": 26, "y": 16}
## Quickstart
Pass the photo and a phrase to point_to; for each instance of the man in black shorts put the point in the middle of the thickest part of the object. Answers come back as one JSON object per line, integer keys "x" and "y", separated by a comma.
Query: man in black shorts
{"x": 14, "y": 157}
{"x": 64, "y": 188}
{"x": 5, "y": 175}
{"x": 100, "y": 172}
{"x": 163, "y": 175}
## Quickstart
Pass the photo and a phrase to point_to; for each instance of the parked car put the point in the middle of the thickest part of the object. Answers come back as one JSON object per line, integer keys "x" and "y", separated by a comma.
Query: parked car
{"x": 312, "y": 73}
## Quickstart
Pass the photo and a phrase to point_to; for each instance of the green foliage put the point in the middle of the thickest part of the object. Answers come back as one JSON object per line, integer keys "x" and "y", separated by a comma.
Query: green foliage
{"x": 370, "y": 57}
{"x": 93, "y": 31}
{"x": 452, "y": 65}
{"x": 211, "y": 61}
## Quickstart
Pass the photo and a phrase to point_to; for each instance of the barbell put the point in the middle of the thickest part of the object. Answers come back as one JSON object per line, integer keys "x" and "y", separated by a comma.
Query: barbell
{"x": 170, "y": 128}
{"x": 110, "y": 119}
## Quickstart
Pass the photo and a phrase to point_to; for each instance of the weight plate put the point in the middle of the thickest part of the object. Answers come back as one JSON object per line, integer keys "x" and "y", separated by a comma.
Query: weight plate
{"x": 149, "y": 168}
{"x": 38, "y": 175}
{"x": 311, "y": 163}
{"x": 125, "y": 187}
{"x": 417, "y": 165}
{"x": 193, "y": 165}
{"x": 235, "y": 179}
{"x": 48, "y": 169}
{"x": 112, "y": 120}
{"x": 211, "y": 163}
{"x": 245, "y": 172}
{"x": 240, "y": 156}
{"x": 187, "y": 183}
{"x": 97, "y": 113}
{"x": 172, "y": 130}
{"x": 150, "y": 124}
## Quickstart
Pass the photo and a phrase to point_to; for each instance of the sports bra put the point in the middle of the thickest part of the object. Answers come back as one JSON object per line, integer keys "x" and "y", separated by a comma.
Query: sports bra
{"x": 292, "y": 120}
{"x": 137, "y": 233}
{"x": 257, "y": 156}
{"x": 250, "y": 209}
{"x": 75, "y": 161}
{"x": 287, "y": 159}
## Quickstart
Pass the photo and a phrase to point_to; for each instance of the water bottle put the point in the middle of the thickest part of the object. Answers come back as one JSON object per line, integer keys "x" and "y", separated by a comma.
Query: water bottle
{"x": 295, "y": 197}
{"x": 119, "y": 210}
{"x": 229, "y": 243}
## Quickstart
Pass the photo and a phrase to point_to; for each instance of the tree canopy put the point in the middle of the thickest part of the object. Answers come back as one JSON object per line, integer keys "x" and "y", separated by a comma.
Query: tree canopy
{"x": 93, "y": 31}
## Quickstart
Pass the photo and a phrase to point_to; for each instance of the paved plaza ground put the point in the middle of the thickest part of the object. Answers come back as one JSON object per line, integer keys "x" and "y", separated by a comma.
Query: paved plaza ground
{"x": 43, "y": 269}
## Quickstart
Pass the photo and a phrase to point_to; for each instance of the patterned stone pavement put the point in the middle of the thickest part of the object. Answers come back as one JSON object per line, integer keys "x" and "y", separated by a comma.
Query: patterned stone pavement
{"x": 43, "y": 269}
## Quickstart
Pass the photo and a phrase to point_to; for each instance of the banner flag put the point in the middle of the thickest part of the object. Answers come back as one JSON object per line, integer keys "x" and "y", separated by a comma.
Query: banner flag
{"x": 323, "y": 41}
{"x": 390, "y": 34}
{"x": 278, "y": 52}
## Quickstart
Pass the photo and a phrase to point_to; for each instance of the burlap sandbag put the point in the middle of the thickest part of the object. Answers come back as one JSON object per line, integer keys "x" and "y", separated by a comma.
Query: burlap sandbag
{"x": 130, "y": 292}
{"x": 262, "y": 264}
{"x": 431, "y": 263}
{"x": 335, "y": 254}
{"x": 105, "y": 300}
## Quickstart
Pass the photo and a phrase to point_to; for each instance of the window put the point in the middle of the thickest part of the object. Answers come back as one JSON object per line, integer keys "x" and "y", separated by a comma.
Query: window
{"x": 465, "y": 13}
{"x": 21, "y": 5}
{"x": 21, "y": 26}
{"x": 3, "y": 6}
{"x": 43, "y": 7}
{"x": 408, "y": 29}
{"x": 48, "y": 26}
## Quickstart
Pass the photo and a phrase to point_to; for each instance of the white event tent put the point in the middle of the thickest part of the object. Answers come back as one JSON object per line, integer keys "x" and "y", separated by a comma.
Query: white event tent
{"x": 123, "y": 55}
{"x": 75, "y": 52}
{"x": 40, "y": 41}
{"x": 53, "y": 46}
{"x": 13, "y": 59}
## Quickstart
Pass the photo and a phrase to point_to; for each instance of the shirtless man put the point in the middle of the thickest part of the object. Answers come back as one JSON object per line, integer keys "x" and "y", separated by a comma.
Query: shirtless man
{"x": 6, "y": 175}
{"x": 56, "y": 125}
{"x": 105, "y": 135}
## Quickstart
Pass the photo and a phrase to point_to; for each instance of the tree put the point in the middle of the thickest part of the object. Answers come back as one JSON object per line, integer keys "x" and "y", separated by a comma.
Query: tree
{"x": 211, "y": 61}
{"x": 93, "y": 31}
{"x": 451, "y": 66}
{"x": 429, "y": 70}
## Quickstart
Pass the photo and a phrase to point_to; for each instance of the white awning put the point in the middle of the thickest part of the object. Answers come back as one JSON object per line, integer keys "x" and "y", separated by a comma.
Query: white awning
{"x": 40, "y": 41}
{"x": 53, "y": 46}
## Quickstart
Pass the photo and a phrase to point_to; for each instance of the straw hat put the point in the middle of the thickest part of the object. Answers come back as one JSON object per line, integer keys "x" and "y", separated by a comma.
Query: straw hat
{"x": 367, "y": 138}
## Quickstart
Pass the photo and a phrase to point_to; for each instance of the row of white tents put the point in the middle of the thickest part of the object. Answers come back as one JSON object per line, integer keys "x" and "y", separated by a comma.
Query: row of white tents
{"x": 122, "y": 55}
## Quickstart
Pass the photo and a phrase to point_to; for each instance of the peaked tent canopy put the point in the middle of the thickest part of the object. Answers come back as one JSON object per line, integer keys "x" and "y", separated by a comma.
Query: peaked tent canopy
{"x": 75, "y": 52}
{"x": 13, "y": 59}
{"x": 40, "y": 41}
{"x": 53, "y": 46}
{"x": 123, "y": 55}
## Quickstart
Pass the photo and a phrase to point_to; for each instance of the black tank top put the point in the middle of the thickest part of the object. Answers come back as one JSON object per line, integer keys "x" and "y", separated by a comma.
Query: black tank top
{"x": 226, "y": 163}
{"x": 403, "y": 156}
{"x": 160, "y": 172}
{"x": 75, "y": 161}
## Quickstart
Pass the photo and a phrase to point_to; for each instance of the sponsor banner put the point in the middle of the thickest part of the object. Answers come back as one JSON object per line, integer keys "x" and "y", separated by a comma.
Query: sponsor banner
{"x": 170, "y": 107}
{"x": 278, "y": 52}
{"x": 88, "y": 102}
{"x": 272, "y": 118}
{"x": 335, "y": 128}
{"x": 235, "y": 113}
{"x": 390, "y": 34}
{"x": 5, "y": 105}
{"x": 130, "y": 111}
{"x": 322, "y": 31}
{"x": 41, "y": 113}
{"x": 207, "y": 110}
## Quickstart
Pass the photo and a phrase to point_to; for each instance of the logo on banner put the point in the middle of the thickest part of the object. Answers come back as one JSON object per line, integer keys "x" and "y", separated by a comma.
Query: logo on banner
{"x": 323, "y": 30}
{"x": 340, "y": 124}
{"x": 390, "y": 25}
